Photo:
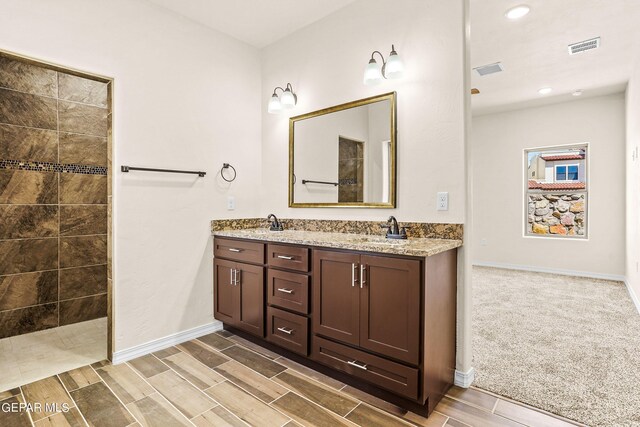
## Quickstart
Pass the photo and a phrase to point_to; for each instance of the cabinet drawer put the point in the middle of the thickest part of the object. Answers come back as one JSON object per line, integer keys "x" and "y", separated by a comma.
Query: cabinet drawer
{"x": 381, "y": 372}
{"x": 289, "y": 257}
{"x": 239, "y": 250}
{"x": 288, "y": 330}
{"x": 288, "y": 290}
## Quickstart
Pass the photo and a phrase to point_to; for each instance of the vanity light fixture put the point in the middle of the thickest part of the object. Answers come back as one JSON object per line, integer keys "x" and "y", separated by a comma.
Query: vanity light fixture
{"x": 286, "y": 101}
{"x": 392, "y": 68}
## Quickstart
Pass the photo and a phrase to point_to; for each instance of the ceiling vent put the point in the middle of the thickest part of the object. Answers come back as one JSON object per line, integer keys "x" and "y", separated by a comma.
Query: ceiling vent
{"x": 584, "y": 46}
{"x": 489, "y": 69}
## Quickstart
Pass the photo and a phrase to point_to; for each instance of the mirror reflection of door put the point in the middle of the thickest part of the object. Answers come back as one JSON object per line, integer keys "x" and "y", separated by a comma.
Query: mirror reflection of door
{"x": 350, "y": 170}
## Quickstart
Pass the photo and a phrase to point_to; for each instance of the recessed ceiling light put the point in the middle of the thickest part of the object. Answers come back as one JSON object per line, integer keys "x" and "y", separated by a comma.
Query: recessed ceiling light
{"x": 577, "y": 92}
{"x": 545, "y": 91}
{"x": 517, "y": 12}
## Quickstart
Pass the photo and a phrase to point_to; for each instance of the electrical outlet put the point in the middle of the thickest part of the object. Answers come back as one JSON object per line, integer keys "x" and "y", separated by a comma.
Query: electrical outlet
{"x": 231, "y": 203}
{"x": 443, "y": 201}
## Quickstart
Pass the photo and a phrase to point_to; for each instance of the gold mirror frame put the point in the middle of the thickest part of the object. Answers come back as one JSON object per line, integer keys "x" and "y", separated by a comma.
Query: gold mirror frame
{"x": 391, "y": 96}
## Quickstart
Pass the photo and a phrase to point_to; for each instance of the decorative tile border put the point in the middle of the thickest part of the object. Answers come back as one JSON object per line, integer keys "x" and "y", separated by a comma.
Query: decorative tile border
{"x": 52, "y": 167}
{"x": 418, "y": 229}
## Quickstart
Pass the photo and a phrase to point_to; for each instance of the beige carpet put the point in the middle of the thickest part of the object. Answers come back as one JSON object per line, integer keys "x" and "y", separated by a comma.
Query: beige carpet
{"x": 567, "y": 345}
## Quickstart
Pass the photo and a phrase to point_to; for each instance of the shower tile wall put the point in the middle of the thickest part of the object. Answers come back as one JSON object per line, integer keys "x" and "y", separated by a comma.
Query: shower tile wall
{"x": 53, "y": 198}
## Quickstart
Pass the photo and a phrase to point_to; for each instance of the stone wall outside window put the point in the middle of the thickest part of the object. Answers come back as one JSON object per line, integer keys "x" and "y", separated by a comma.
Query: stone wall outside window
{"x": 557, "y": 214}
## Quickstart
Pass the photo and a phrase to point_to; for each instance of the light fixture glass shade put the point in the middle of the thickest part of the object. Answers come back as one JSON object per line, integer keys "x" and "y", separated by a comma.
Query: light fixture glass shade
{"x": 372, "y": 73}
{"x": 394, "y": 67}
{"x": 517, "y": 12}
{"x": 287, "y": 99}
{"x": 274, "y": 106}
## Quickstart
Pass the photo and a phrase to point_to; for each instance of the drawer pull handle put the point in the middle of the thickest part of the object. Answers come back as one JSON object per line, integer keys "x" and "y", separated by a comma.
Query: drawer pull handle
{"x": 287, "y": 331}
{"x": 357, "y": 365}
{"x": 285, "y": 257}
{"x": 235, "y": 250}
{"x": 285, "y": 290}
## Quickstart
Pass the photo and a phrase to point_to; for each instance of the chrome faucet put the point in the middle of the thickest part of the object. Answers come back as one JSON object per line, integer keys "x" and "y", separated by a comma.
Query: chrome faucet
{"x": 275, "y": 224}
{"x": 394, "y": 231}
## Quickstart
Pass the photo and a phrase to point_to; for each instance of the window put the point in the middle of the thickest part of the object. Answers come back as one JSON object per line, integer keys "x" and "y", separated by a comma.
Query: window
{"x": 556, "y": 191}
{"x": 566, "y": 173}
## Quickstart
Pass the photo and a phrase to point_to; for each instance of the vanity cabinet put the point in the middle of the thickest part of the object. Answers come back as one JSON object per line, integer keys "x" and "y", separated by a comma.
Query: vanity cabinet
{"x": 369, "y": 301}
{"x": 382, "y": 322}
{"x": 239, "y": 286}
{"x": 288, "y": 296}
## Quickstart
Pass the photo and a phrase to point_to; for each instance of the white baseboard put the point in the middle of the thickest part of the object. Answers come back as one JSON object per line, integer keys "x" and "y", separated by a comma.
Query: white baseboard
{"x": 632, "y": 294}
{"x": 591, "y": 275}
{"x": 162, "y": 343}
{"x": 464, "y": 379}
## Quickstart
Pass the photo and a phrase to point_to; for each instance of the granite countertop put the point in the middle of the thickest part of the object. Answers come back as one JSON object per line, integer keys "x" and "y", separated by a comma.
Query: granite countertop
{"x": 421, "y": 247}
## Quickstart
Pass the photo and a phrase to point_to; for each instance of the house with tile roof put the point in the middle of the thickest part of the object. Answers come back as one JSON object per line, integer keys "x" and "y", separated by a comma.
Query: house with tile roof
{"x": 558, "y": 171}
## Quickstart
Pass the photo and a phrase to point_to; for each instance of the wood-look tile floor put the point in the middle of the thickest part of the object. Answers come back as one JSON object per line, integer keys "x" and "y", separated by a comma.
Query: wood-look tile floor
{"x": 223, "y": 380}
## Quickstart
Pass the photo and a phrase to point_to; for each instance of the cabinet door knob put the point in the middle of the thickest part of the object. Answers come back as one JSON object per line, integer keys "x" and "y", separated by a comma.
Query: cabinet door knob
{"x": 354, "y": 279}
{"x": 357, "y": 365}
{"x": 285, "y": 290}
{"x": 363, "y": 275}
{"x": 285, "y": 257}
{"x": 286, "y": 331}
{"x": 235, "y": 250}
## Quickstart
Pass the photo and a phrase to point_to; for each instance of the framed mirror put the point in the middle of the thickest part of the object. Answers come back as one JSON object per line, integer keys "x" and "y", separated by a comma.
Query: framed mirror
{"x": 344, "y": 156}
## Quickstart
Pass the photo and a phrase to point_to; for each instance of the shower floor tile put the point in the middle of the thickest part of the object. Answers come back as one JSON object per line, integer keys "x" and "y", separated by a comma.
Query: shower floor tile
{"x": 31, "y": 357}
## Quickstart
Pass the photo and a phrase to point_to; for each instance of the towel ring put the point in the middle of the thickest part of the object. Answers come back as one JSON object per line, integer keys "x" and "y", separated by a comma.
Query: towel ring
{"x": 227, "y": 166}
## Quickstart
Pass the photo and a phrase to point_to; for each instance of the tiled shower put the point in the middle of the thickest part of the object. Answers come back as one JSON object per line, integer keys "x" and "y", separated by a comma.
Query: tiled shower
{"x": 54, "y": 129}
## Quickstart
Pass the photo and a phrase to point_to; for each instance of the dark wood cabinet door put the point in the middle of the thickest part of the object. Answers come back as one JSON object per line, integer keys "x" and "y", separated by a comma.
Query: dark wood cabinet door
{"x": 224, "y": 291}
{"x": 250, "y": 307}
{"x": 336, "y": 295}
{"x": 390, "y": 307}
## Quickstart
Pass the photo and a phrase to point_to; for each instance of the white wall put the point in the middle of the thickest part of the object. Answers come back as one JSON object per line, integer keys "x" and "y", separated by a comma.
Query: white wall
{"x": 186, "y": 97}
{"x": 498, "y": 141}
{"x": 189, "y": 97}
{"x": 633, "y": 184}
{"x": 325, "y": 63}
